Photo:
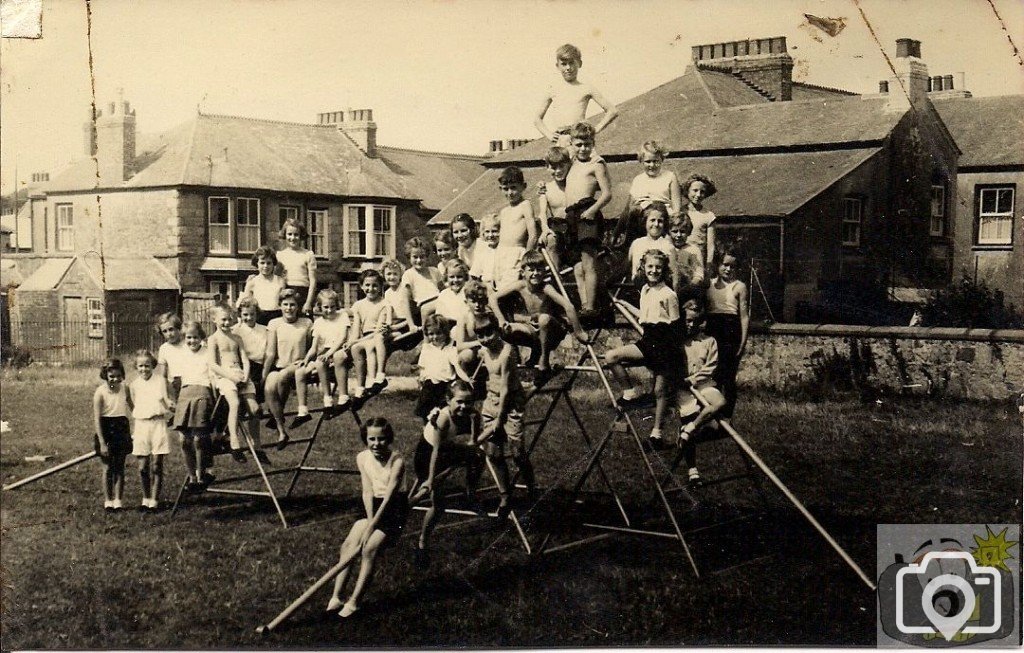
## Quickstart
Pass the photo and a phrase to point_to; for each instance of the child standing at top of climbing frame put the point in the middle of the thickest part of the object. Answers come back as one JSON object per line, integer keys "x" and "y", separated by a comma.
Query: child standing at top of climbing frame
{"x": 299, "y": 263}
{"x": 588, "y": 189}
{"x": 565, "y": 103}
{"x": 658, "y": 349}
{"x": 113, "y": 441}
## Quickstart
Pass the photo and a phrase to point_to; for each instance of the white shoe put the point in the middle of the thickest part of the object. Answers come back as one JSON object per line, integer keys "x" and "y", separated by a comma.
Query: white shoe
{"x": 334, "y": 605}
{"x": 380, "y": 378}
{"x": 343, "y": 400}
{"x": 348, "y": 610}
{"x": 116, "y": 504}
{"x": 328, "y": 401}
{"x": 303, "y": 411}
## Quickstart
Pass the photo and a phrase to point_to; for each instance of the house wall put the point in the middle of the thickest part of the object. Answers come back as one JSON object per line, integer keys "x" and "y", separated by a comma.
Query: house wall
{"x": 1000, "y": 267}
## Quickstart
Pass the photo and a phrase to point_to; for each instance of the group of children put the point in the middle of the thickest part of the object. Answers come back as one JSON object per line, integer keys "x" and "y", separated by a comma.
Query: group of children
{"x": 490, "y": 292}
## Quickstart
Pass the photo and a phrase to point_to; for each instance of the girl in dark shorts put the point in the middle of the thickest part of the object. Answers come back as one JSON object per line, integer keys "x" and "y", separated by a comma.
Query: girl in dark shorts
{"x": 113, "y": 440}
{"x": 382, "y": 472}
{"x": 660, "y": 347}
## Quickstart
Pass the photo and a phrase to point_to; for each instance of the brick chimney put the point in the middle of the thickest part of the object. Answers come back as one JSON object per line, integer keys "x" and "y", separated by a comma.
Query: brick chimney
{"x": 357, "y": 124}
{"x": 764, "y": 64}
{"x": 910, "y": 86}
{"x": 115, "y": 142}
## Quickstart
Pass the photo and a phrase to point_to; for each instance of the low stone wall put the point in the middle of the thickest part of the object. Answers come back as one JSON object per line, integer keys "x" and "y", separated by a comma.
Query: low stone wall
{"x": 959, "y": 363}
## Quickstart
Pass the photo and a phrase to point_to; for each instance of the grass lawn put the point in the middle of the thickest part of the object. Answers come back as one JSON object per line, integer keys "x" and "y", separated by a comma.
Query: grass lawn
{"x": 76, "y": 577}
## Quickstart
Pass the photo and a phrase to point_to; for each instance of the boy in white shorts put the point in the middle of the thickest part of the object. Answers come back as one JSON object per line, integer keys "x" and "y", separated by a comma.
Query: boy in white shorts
{"x": 150, "y": 440}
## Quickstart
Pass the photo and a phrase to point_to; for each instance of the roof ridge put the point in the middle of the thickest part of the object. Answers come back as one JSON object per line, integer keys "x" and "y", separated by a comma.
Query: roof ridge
{"x": 452, "y": 155}
{"x": 265, "y": 120}
{"x": 825, "y": 88}
{"x": 704, "y": 86}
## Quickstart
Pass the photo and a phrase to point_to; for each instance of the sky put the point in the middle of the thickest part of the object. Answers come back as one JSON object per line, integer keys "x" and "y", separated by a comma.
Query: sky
{"x": 441, "y": 75}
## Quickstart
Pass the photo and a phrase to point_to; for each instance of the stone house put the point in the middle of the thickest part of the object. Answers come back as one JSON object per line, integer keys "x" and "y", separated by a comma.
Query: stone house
{"x": 830, "y": 191}
{"x": 199, "y": 199}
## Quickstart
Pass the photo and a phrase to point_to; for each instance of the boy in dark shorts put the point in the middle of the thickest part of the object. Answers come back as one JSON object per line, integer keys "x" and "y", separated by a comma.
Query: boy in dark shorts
{"x": 588, "y": 189}
{"x": 447, "y": 444}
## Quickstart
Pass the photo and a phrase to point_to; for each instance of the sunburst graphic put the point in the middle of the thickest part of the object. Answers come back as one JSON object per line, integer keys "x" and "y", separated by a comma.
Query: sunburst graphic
{"x": 993, "y": 550}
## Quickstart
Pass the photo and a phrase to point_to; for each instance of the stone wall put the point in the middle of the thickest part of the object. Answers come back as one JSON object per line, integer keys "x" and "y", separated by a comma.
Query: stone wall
{"x": 960, "y": 363}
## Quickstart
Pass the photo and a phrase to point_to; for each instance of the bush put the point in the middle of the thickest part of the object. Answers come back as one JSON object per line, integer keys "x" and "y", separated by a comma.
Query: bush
{"x": 16, "y": 356}
{"x": 970, "y": 304}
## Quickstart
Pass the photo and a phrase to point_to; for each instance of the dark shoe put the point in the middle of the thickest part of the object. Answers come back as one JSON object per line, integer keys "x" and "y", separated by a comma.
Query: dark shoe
{"x": 263, "y": 458}
{"x": 542, "y": 376}
{"x": 271, "y": 423}
{"x": 656, "y": 443}
{"x": 693, "y": 479}
{"x": 300, "y": 420}
{"x": 420, "y": 557}
{"x": 206, "y": 480}
{"x": 282, "y": 442}
{"x": 504, "y": 510}
{"x": 238, "y": 456}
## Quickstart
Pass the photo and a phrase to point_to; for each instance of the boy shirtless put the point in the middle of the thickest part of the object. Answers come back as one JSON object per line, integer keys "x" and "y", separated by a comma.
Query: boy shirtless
{"x": 554, "y": 232}
{"x": 587, "y": 175}
{"x": 516, "y": 222}
{"x": 565, "y": 103}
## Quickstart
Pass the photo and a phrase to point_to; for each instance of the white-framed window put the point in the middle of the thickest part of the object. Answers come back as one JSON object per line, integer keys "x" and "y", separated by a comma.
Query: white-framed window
{"x": 853, "y": 216}
{"x": 937, "y": 224}
{"x": 286, "y": 213}
{"x": 349, "y": 292}
{"x": 219, "y": 210}
{"x": 316, "y": 226}
{"x": 228, "y": 290}
{"x": 94, "y": 315}
{"x": 247, "y": 224}
{"x": 23, "y": 233}
{"x": 995, "y": 215}
{"x": 369, "y": 230}
{"x": 65, "y": 228}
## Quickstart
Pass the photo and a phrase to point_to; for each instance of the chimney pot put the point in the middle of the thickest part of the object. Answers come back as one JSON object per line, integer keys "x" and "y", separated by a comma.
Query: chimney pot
{"x": 947, "y": 82}
{"x": 883, "y": 86}
{"x": 908, "y": 48}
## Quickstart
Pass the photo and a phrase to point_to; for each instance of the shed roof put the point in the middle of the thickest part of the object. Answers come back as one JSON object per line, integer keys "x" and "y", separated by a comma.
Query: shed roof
{"x": 750, "y": 185}
{"x": 144, "y": 273}
{"x": 48, "y": 275}
{"x": 988, "y": 130}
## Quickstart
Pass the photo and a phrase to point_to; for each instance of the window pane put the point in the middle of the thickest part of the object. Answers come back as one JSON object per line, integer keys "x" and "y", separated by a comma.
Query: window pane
{"x": 988, "y": 200}
{"x": 994, "y": 230}
{"x": 248, "y": 239}
{"x": 316, "y": 225}
{"x": 286, "y": 213}
{"x": 65, "y": 227}
{"x": 1004, "y": 201}
{"x": 355, "y": 237}
{"x": 220, "y": 224}
{"x": 382, "y": 228}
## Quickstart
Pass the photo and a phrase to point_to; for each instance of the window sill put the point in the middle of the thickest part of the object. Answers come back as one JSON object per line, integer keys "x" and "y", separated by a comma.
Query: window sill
{"x": 992, "y": 248}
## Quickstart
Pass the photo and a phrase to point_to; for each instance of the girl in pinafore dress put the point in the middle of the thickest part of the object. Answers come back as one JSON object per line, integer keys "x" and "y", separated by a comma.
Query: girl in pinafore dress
{"x": 195, "y": 405}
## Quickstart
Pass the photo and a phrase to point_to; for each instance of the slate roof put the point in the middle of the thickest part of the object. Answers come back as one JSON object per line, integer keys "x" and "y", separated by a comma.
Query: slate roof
{"x": 48, "y": 275}
{"x": 435, "y": 177}
{"x": 10, "y": 275}
{"x": 234, "y": 152}
{"x": 685, "y": 117}
{"x": 988, "y": 130}
{"x": 784, "y": 182}
{"x": 144, "y": 273}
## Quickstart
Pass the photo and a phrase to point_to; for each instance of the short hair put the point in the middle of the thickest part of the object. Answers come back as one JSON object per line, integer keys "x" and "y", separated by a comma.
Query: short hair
{"x": 696, "y": 307}
{"x": 328, "y": 295}
{"x": 249, "y": 303}
{"x": 169, "y": 317}
{"x": 288, "y": 293}
{"x": 651, "y": 147}
{"x": 148, "y": 355}
{"x": 444, "y": 237}
{"x": 381, "y": 423}
{"x": 417, "y": 242}
{"x": 194, "y": 328}
{"x": 661, "y": 256}
{"x": 475, "y": 290}
{"x": 370, "y": 274}
{"x": 490, "y": 219}
{"x": 708, "y": 184}
{"x": 265, "y": 251}
{"x": 467, "y": 220}
{"x": 459, "y": 385}
{"x": 654, "y": 207}
{"x": 533, "y": 259}
{"x": 557, "y": 156}
{"x": 569, "y": 52}
{"x": 512, "y": 176}
{"x": 583, "y": 131}
{"x": 292, "y": 222}
{"x": 681, "y": 219}
{"x": 392, "y": 264}
{"x": 727, "y": 250}
{"x": 485, "y": 325}
{"x": 437, "y": 322}
{"x": 224, "y": 308}
{"x": 454, "y": 264}
{"x": 111, "y": 365}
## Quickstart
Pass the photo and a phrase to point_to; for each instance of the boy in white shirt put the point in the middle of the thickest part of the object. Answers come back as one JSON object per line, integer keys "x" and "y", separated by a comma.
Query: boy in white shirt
{"x": 566, "y": 102}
